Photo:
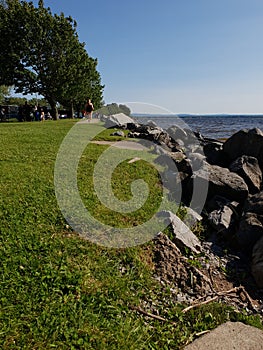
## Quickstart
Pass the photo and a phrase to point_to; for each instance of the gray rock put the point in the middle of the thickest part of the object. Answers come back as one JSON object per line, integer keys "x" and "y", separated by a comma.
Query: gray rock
{"x": 223, "y": 214}
{"x": 155, "y": 134}
{"x": 176, "y": 157}
{"x": 213, "y": 151}
{"x": 151, "y": 123}
{"x": 183, "y": 236}
{"x": 197, "y": 160}
{"x": 217, "y": 202}
{"x": 254, "y": 204}
{"x": 257, "y": 262}
{"x": 245, "y": 142}
{"x": 118, "y": 133}
{"x": 222, "y": 219}
{"x": 160, "y": 150}
{"x": 176, "y": 132}
{"x": 192, "y": 217}
{"x": 119, "y": 120}
{"x": 230, "y": 336}
{"x": 134, "y": 135}
{"x": 133, "y": 126}
{"x": 248, "y": 168}
{"x": 165, "y": 141}
{"x": 250, "y": 231}
{"x": 223, "y": 182}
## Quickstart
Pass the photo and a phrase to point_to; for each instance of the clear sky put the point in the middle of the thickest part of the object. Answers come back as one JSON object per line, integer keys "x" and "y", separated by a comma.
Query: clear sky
{"x": 189, "y": 56}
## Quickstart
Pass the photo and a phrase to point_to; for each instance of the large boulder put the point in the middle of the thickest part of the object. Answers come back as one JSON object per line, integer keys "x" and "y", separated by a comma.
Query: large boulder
{"x": 248, "y": 168}
{"x": 191, "y": 217}
{"x": 257, "y": 262}
{"x": 196, "y": 160}
{"x": 250, "y": 231}
{"x": 222, "y": 182}
{"x": 254, "y": 204}
{"x": 178, "y": 158}
{"x": 151, "y": 123}
{"x": 182, "y": 235}
{"x": 176, "y": 133}
{"x": 229, "y": 336}
{"x": 151, "y": 133}
{"x": 250, "y": 228}
{"x": 213, "y": 151}
{"x": 117, "y": 120}
{"x": 245, "y": 142}
{"x": 164, "y": 140}
{"x": 223, "y": 219}
{"x": 185, "y": 138}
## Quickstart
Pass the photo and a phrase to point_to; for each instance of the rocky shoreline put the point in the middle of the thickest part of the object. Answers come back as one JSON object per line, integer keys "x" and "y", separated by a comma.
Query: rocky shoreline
{"x": 229, "y": 261}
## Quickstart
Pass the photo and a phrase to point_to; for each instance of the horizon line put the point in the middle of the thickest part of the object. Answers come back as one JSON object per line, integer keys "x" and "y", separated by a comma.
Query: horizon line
{"x": 198, "y": 114}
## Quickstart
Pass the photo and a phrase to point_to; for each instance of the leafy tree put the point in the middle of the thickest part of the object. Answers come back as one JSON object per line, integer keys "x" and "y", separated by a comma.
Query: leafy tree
{"x": 38, "y": 101}
{"x": 4, "y": 92}
{"x": 42, "y": 54}
{"x": 114, "y": 108}
{"x": 12, "y": 100}
{"x": 126, "y": 110}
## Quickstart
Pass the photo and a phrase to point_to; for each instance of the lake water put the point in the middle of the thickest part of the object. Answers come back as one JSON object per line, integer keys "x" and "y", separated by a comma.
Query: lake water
{"x": 212, "y": 126}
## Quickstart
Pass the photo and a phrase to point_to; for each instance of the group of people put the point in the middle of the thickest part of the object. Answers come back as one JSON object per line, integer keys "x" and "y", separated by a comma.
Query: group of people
{"x": 27, "y": 112}
{"x": 41, "y": 113}
{"x": 38, "y": 113}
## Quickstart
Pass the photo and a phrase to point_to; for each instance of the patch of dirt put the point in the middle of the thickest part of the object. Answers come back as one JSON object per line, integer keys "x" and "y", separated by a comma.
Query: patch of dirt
{"x": 212, "y": 274}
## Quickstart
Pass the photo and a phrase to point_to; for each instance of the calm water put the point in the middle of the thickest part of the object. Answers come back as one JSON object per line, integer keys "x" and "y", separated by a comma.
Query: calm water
{"x": 215, "y": 126}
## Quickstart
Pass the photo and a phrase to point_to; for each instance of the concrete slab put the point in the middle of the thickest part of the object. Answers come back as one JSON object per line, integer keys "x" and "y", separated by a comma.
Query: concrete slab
{"x": 89, "y": 121}
{"x": 131, "y": 145}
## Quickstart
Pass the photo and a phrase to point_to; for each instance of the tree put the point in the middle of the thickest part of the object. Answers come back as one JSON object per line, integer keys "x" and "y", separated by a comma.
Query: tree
{"x": 4, "y": 92}
{"x": 126, "y": 110}
{"x": 42, "y": 54}
{"x": 114, "y": 108}
{"x": 12, "y": 100}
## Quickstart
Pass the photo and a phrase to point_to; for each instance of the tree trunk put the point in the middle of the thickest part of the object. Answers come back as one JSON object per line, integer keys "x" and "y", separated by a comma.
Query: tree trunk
{"x": 54, "y": 110}
{"x": 72, "y": 110}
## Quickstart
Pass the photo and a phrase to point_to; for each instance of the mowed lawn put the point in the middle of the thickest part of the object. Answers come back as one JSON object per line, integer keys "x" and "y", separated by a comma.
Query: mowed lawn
{"x": 59, "y": 291}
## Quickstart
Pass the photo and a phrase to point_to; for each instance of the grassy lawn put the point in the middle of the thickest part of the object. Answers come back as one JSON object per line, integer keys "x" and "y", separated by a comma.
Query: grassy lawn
{"x": 59, "y": 291}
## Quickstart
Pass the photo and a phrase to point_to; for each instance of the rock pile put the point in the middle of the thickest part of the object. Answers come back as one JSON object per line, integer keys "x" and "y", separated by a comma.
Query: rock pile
{"x": 232, "y": 171}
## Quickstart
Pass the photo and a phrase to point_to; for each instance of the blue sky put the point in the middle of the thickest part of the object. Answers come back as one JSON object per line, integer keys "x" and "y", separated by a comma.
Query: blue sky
{"x": 188, "y": 56}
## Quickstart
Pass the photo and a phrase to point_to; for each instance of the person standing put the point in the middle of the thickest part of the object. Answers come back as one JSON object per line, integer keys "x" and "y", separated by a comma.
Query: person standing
{"x": 89, "y": 109}
{"x": 36, "y": 113}
{"x": 2, "y": 114}
{"x": 42, "y": 115}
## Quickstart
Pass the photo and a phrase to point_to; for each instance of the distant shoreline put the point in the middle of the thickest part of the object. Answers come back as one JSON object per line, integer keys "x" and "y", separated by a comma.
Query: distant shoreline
{"x": 216, "y": 126}
{"x": 182, "y": 115}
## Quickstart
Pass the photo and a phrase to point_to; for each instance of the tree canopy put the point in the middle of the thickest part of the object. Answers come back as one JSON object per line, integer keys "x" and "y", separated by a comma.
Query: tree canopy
{"x": 41, "y": 53}
{"x": 114, "y": 108}
{"x": 4, "y": 92}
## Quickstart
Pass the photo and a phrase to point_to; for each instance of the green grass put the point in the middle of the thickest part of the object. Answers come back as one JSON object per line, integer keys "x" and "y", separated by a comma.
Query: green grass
{"x": 58, "y": 291}
{"x": 122, "y": 177}
{"x": 106, "y": 135}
